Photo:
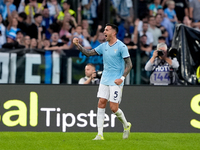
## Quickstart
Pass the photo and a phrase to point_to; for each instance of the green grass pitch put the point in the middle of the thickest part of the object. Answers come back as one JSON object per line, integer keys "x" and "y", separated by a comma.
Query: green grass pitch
{"x": 83, "y": 141}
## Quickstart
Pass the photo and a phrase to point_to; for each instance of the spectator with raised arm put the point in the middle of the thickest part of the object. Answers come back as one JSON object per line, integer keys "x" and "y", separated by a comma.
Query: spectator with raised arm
{"x": 124, "y": 8}
{"x": 54, "y": 8}
{"x": 90, "y": 13}
{"x": 68, "y": 18}
{"x": 32, "y": 8}
{"x": 131, "y": 41}
{"x": 79, "y": 34}
{"x": 9, "y": 7}
{"x": 22, "y": 25}
{"x": 12, "y": 27}
{"x": 66, "y": 9}
{"x": 33, "y": 28}
{"x": 21, "y": 6}
{"x": 84, "y": 22}
{"x": 98, "y": 38}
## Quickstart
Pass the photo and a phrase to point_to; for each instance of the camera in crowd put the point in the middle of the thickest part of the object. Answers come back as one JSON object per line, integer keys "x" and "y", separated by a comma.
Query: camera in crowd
{"x": 172, "y": 52}
{"x": 160, "y": 52}
{"x": 98, "y": 74}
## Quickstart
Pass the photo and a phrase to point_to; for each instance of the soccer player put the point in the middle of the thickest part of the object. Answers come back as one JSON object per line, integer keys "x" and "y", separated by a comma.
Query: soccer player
{"x": 117, "y": 64}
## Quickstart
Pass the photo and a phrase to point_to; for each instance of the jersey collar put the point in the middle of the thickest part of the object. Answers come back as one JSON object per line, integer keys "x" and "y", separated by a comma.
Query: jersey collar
{"x": 113, "y": 43}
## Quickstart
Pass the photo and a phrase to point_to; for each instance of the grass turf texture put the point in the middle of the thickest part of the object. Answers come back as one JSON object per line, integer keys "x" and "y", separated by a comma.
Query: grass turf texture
{"x": 83, "y": 141}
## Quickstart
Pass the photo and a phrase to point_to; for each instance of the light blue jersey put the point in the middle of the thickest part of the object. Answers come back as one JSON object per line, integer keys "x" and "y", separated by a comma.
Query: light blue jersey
{"x": 113, "y": 60}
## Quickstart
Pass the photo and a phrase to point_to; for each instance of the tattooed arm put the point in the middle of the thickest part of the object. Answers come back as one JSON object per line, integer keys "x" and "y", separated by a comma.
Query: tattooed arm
{"x": 86, "y": 52}
{"x": 128, "y": 64}
{"x": 128, "y": 67}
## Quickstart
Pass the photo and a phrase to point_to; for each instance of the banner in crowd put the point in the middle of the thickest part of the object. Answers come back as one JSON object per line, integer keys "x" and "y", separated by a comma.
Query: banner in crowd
{"x": 30, "y": 68}
{"x": 44, "y": 67}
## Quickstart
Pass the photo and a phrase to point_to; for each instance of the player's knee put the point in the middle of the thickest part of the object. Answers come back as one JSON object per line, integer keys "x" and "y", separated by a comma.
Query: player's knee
{"x": 102, "y": 103}
{"x": 114, "y": 109}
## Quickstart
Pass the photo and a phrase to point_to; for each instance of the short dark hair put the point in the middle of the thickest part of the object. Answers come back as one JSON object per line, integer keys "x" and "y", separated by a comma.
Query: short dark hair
{"x": 158, "y": 15}
{"x": 23, "y": 15}
{"x": 66, "y": 1}
{"x": 145, "y": 22}
{"x": 113, "y": 26}
{"x": 144, "y": 35}
{"x": 151, "y": 17}
{"x": 37, "y": 15}
{"x": 79, "y": 26}
{"x": 161, "y": 38}
{"x": 19, "y": 31}
{"x": 65, "y": 38}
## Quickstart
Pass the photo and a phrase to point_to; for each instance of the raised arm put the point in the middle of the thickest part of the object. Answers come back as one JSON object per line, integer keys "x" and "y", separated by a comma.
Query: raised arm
{"x": 97, "y": 33}
{"x": 88, "y": 5}
{"x": 135, "y": 37}
{"x": 86, "y": 52}
{"x": 39, "y": 37}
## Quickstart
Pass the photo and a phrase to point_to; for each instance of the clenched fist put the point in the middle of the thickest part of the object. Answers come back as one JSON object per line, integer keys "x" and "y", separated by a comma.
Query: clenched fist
{"x": 118, "y": 81}
{"x": 76, "y": 41}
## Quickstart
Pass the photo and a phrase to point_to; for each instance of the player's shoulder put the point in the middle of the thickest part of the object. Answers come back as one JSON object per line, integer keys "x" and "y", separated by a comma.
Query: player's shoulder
{"x": 104, "y": 43}
{"x": 121, "y": 44}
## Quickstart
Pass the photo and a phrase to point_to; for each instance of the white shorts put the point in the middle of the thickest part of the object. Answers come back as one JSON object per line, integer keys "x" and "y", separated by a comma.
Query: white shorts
{"x": 112, "y": 93}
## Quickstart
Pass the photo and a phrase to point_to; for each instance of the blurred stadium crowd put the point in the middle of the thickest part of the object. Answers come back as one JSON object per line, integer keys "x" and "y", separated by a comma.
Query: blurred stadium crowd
{"x": 52, "y": 24}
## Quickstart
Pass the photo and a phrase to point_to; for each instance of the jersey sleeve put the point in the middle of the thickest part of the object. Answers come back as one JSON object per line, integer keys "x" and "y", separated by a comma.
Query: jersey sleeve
{"x": 99, "y": 49}
{"x": 124, "y": 51}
